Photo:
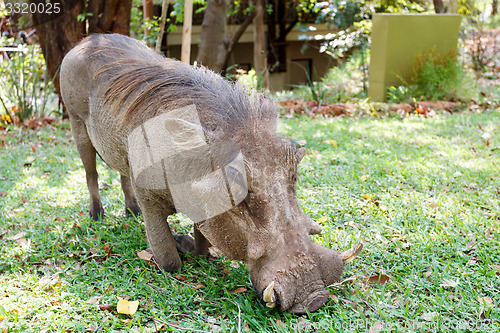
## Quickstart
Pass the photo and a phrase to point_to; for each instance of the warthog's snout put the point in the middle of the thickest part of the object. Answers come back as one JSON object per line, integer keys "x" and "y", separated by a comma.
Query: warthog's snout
{"x": 301, "y": 288}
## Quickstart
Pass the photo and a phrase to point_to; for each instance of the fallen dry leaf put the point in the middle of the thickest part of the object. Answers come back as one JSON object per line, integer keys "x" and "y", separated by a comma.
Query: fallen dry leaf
{"x": 180, "y": 277}
{"x": 145, "y": 255}
{"x": 239, "y": 290}
{"x": 485, "y": 300}
{"x": 106, "y": 307}
{"x": 94, "y": 300}
{"x": 17, "y": 236}
{"x": 127, "y": 307}
{"x": 2, "y": 194}
{"x": 381, "y": 278}
{"x": 322, "y": 219}
{"x": 199, "y": 286}
{"x": 23, "y": 242}
{"x": 367, "y": 196}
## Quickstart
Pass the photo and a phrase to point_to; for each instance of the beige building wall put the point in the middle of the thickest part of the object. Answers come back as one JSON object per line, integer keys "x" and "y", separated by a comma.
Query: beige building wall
{"x": 298, "y": 62}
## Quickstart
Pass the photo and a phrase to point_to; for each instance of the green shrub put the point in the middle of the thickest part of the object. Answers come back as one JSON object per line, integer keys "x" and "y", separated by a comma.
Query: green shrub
{"x": 25, "y": 88}
{"x": 434, "y": 77}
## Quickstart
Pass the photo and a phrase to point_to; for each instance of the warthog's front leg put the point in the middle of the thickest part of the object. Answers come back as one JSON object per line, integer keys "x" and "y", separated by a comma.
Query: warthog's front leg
{"x": 158, "y": 232}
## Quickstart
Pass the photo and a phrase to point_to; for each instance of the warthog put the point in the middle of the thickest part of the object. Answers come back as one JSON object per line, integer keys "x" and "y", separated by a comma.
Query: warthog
{"x": 185, "y": 140}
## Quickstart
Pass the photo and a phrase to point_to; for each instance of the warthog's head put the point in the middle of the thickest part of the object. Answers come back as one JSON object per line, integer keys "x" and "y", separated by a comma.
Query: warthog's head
{"x": 269, "y": 231}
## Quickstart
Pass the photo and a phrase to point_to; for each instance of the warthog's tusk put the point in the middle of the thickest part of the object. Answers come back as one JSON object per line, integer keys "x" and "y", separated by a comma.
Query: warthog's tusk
{"x": 349, "y": 255}
{"x": 268, "y": 295}
{"x": 271, "y": 305}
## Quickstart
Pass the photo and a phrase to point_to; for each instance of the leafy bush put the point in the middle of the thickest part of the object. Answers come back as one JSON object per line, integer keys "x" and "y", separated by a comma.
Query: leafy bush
{"x": 25, "y": 89}
{"x": 434, "y": 77}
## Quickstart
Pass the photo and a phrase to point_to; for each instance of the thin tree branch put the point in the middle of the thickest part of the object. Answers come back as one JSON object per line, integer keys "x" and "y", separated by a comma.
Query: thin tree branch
{"x": 237, "y": 35}
{"x": 164, "y": 10}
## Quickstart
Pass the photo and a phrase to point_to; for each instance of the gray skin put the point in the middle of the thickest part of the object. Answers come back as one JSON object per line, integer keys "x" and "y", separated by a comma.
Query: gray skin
{"x": 111, "y": 84}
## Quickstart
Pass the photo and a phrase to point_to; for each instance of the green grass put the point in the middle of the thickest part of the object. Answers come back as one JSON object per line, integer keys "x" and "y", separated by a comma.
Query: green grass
{"x": 429, "y": 219}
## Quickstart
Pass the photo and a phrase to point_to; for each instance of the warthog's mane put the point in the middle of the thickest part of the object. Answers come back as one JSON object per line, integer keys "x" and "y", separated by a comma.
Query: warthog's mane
{"x": 141, "y": 84}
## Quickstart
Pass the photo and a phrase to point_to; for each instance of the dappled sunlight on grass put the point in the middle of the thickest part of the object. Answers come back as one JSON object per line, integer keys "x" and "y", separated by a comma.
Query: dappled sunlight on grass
{"x": 422, "y": 194}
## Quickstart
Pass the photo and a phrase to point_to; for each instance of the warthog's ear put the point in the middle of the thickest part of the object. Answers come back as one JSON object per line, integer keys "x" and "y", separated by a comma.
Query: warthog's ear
{"x": 299, "y": 154}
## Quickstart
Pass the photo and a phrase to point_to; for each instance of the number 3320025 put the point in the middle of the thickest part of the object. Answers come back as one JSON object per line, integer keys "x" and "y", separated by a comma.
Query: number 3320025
{"x": 32, "y": 8}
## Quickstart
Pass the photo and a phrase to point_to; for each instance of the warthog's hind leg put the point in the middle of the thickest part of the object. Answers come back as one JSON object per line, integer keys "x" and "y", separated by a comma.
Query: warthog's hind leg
{"x": 131, "y": 206}
{"x": 88, "y": 155}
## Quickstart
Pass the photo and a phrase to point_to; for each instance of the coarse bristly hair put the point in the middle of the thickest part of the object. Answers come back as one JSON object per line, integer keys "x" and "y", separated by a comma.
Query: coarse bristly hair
{"x": 139, "y": 83}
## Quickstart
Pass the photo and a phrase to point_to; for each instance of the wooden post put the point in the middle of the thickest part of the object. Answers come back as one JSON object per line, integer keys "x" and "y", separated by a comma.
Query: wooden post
{"x": 186, "y": 31}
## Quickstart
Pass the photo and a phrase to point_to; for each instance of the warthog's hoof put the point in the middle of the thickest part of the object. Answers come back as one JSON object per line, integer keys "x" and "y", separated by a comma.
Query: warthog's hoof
{"x": 97, "y": 214}
{"x": 132, "y": 211}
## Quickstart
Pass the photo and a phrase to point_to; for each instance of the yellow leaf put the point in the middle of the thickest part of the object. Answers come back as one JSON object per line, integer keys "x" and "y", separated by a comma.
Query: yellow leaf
{"x": 367, "y": 196}
{"x": 127, "y": 307}
{"x": 322, "y": 219}
{"x": 364, "y": 178}
{"x": 2, "y": 317}
{"x": 331, "y": 142}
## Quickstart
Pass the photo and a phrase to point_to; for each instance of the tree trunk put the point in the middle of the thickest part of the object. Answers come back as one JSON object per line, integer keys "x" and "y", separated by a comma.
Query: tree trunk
{"x": 494, "y": 7}
{"x": 214, "y": 41}
{"x": 58, "y": 35}
{"x": 259, "y": 44}
{"x": 109, "y": 16}
{"x": 438, "y": 6}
